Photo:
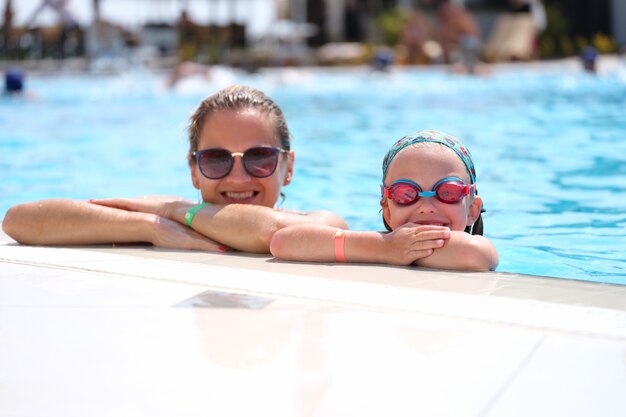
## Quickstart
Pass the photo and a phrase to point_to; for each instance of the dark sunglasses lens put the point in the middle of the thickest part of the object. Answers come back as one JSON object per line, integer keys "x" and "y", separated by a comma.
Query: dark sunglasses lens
{"x": 260, "y": 162}
{"x": 450, "y": 192}
{"x": 215, "y": 163}
{"x": 404, "y": 194}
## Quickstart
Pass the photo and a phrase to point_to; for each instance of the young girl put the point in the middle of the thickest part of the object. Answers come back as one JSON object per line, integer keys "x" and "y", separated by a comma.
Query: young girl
{"x": 429, "y": 205}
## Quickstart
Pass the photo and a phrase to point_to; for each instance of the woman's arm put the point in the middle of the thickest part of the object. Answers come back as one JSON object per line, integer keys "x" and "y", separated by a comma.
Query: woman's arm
{"x": 244, "y": 227}
{"x": 316, "y": 243}
{"x": 463, "y": 252}
{"x": 72, "y": 222}
{"x": 247, "y": 227}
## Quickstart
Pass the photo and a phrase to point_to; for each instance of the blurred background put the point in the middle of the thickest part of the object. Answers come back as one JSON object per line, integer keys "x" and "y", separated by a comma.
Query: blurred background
{"x": 257, "y": 33}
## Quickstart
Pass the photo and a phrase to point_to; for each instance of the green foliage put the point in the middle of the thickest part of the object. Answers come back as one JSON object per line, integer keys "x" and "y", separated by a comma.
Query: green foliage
{"x": 556, "y": 41}
{"x": 604, "y": 44}
{"x": 580, "y": 42}
{"x": 547, "y": 46}
{"x": 390, "y": 25}
{"x": 567, "y": 46}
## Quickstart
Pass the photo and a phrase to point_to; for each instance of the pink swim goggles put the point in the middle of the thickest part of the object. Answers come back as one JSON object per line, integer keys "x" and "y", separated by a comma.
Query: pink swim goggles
{"x": 449, "y": 190}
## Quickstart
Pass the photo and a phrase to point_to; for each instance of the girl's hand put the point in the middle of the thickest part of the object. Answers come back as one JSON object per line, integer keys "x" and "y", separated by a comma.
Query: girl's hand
{"x": 411, "y": 242}
{"x": 173, "y": 235}
{"x": 162, "y": 206}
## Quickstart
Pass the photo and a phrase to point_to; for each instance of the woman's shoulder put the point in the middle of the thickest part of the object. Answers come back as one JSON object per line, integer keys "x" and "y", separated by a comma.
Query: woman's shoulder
{"x": 323, "y": 217}
{"x": 329, "y": 218}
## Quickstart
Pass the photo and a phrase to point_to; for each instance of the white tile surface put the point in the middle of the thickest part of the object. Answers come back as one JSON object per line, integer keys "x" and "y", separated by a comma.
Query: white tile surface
{"x": 568, "y": 376}
{"x": 27, "y": 286}
{"x": 77, "y": 361}
{"x": 351, "y": 294}
{"x": 98, "y": 333}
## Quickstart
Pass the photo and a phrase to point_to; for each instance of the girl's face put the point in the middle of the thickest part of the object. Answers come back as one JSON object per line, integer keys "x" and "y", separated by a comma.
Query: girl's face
{"x": 238, "y": 131}
{"x": 426, "y": 164}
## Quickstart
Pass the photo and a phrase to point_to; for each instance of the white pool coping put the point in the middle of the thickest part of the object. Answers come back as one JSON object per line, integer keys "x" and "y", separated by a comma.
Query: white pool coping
{"x": 136, "y": 331}
{"x": 139, "y": 331}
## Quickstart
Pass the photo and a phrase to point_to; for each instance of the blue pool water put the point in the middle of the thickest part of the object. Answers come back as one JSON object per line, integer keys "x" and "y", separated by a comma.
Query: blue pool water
{"x": 549, "y": 146}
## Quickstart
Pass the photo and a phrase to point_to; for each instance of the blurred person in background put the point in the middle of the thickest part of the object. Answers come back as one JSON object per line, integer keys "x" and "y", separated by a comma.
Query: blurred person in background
{"x": 588, "y": 58}
{"x": 460, "y": 37}
{"x": 382, "y": 60}
{"x": 538, "y": 14}
{"x": 534, "y": 7}
{"x": 416, "y": 32}
{"x": 15, "y": 84}
{"x": 13, "y": 81}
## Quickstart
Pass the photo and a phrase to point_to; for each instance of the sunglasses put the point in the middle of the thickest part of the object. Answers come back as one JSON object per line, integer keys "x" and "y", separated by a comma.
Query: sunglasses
{"x": 216, "y": 163}
{"x": 449, "y": 190}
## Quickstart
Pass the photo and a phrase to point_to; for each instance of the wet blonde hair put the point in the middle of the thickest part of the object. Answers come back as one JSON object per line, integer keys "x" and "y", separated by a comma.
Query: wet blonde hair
{"x": 237, "y": 98}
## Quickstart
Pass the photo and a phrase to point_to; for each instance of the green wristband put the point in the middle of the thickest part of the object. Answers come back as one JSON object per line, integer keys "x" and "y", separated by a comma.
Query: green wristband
{"x": 192, "y": 212}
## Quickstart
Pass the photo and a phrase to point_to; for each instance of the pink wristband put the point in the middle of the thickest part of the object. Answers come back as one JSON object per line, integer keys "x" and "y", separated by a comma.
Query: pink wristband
{"x": 340, "y": 246}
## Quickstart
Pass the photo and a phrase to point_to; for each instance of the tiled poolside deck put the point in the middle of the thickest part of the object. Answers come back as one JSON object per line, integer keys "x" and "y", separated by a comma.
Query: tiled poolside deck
{"x": 138, "y": 331}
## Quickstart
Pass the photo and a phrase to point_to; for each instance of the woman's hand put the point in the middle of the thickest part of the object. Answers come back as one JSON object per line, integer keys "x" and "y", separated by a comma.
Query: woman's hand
{"x": 173, "y": 235}
{"x": 411, "y": 242}
{"x": 162, "y": 206}
{"x": 167, "y": 232}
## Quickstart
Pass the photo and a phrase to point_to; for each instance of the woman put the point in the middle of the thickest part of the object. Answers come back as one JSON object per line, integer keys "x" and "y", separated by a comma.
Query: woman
{"x": 240, "y": 158}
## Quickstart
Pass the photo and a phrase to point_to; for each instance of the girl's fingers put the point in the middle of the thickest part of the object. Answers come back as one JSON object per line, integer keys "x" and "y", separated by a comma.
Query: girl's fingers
{"x": 433, "y": 234}
{"x": 419, "y": 254}
{"x": 427, "y": 244}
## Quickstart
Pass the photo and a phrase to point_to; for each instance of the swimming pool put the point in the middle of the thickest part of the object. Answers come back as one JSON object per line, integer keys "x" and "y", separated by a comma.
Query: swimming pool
{"x": 549, "y": 145}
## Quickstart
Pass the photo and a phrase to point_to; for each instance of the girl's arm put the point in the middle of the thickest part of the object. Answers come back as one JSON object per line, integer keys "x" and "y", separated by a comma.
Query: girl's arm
{"x": 316, "y": 243}
{"x": 463, "y": 252}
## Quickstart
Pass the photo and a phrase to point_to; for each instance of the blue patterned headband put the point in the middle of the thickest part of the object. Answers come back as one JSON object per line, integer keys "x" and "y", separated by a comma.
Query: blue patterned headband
{"x": 435, "y": 137}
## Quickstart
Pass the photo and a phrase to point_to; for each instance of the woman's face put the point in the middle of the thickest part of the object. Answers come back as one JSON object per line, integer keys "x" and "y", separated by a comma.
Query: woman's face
{"x": 426, "y": 164}
{"x": 238, "y": 131}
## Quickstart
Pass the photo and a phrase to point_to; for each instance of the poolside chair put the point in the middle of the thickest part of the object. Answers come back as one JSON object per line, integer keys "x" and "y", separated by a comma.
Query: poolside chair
{"x": 512, "y": 38}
